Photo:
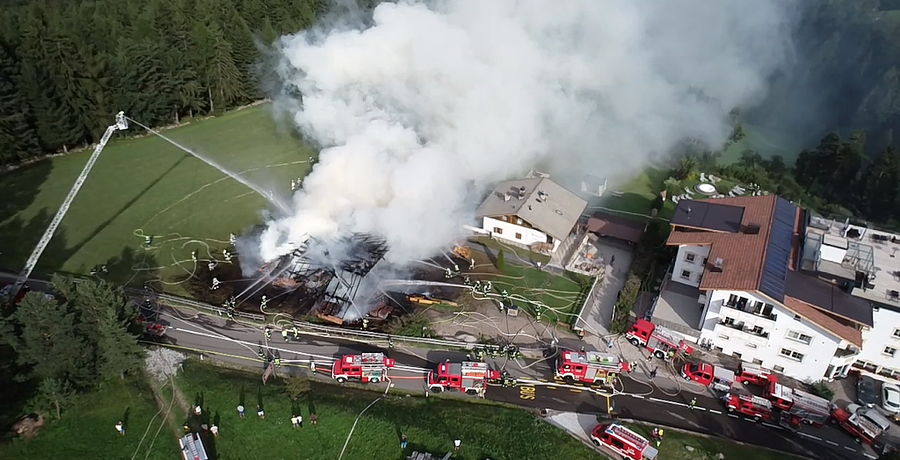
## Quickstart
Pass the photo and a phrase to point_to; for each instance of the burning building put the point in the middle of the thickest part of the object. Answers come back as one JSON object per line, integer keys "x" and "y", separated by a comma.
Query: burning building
{"x": 325, "y": 279}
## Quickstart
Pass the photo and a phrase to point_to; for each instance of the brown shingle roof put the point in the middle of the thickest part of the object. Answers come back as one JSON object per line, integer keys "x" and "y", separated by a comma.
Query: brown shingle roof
{"x": 811, "y": 313}
{"x": 605, "y": 224}
{"x": 743, "y": 254}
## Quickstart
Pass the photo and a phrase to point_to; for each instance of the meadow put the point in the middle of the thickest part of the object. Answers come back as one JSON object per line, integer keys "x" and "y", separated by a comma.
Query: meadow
{"x": 87, "y": 428}
{"x": 430, "y": 424}
{"x": 145, "y": 186}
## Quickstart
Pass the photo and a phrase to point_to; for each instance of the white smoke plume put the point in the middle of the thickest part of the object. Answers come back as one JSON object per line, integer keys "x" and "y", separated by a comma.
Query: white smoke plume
{"x": 429, "y": 103}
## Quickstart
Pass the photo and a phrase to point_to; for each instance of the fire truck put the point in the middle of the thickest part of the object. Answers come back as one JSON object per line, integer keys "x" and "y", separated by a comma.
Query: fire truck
{"x": 623, "y": 441}
{"x": 750, "y": 405}
{"x": 809, "y": 408}
{"x": 657, "y": 339}
{"x": 754, "y": 374}
{"x": 365, "y": 368}
{"x": 864, "y": 424}
{"x": 589, "y": 367}
{"x": 715, "y": 377}
{"x": 469, "y": 377}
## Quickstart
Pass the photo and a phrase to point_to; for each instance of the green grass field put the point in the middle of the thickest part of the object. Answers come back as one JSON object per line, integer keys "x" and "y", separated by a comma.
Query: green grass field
{"x": 431, "y": 425}
{"x": 766, "y": 142}
{"x": 146, "y": 186}
{"x": 635, "y": 197}
{"x": 87, "y": 429}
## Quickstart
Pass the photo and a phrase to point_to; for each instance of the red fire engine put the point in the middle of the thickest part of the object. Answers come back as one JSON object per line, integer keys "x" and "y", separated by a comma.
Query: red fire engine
{"x": 754, "y": 374}
{"x": 657, "y": 339}
{"x": 715, "y": 377}
{"x": 808, "y": 408}
{"x": 781, "y": 396}
{"x": 623, "y": 441}
{"x": 589, "y": 367}
{"x": 864, "y": 424}
{"x": 365, "y": 368}
{"x": 750, "y": 405}
{"x": 469, "y": 377}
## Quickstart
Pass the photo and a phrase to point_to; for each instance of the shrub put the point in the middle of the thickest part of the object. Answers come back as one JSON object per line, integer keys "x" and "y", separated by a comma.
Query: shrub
{"x": 820, "y": 388}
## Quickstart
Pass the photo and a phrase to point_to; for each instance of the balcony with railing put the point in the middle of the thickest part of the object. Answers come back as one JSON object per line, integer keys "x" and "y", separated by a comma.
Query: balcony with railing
{"x": 759, "y": 309}
{"x": 740, "y": 326}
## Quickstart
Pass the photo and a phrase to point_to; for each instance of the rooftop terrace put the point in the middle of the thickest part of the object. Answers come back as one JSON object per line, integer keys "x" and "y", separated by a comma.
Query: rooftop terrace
{"x": 866, "y": 257}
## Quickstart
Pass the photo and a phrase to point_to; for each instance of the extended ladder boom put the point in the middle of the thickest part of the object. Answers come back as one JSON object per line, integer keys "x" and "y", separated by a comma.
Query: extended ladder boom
{"x": 121, "y": 124}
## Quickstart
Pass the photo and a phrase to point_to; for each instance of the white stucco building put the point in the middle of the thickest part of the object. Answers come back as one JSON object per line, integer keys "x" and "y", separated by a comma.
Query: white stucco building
{"x": 743, "y": 256}
{"x": 534, "y": 213}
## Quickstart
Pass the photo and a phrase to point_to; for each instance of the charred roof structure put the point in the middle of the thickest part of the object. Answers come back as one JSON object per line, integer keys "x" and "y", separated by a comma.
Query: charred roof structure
{"x": 325, "y": 278}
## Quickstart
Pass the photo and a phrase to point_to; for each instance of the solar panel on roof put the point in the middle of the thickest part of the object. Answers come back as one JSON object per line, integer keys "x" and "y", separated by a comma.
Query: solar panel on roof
{"x": 778, "y": 251}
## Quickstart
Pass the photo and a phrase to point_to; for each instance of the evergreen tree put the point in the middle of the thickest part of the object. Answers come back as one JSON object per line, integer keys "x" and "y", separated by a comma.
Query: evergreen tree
{"x": 18, "y": 139}
{"x": 882, "y": 184}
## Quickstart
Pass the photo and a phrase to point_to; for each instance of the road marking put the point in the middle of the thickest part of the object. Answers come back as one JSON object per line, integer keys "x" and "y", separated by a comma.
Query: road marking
{"x": 733, "y": 416}
{"x": 870, "y": 456}
{"x": 716, "y": 411}
{"x": 809, "y": 436}
{"x": 527, "y": 393}
{"x": 574, "y": 390}
{"x": 666, "y": 401}
{"x": 638, "y": 396}
{"x": 832, "y": 443}
{"x": 552, "y": 387}
{"x": 850, "y": 448}
{"x": 750, "y": 420}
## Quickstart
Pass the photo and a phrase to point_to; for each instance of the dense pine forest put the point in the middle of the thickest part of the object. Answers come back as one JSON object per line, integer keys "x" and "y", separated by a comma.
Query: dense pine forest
{"x": 67, "y": 67}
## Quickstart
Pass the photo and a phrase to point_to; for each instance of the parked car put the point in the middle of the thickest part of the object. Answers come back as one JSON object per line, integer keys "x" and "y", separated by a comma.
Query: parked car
{"x": 890, "y": 398}
{"x": 867, "y": 391}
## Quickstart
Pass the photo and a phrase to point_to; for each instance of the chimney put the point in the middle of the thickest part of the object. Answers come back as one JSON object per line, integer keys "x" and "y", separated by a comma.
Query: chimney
{"x": 750, "y": 229}
{"x": 521, "y": 193}
{"x": 719, "y": 264}
{"x": 506, "y": 197}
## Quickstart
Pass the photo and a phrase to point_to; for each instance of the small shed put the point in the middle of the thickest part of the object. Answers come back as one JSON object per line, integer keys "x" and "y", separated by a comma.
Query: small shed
{"x": 608, "y": 225}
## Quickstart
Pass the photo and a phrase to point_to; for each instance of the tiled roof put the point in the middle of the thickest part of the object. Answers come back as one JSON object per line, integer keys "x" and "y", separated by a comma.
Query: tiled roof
{"x": 743, "y": 254}
{"x": 824, "y": 320}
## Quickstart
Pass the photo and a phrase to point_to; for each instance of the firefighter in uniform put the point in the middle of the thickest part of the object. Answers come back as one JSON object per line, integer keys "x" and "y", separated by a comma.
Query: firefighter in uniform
{"x": 227, "y": 255}
{"x": 215, "y": 284}
{"x": 296, "y": 333}
{"x": 264, "y": 302}
{"x": 284, "y": 334}
{"x": 194, "y": 256}
{"x": 232, "y": 239}
{"x": 261, "y": 352}
{"x": 268, "y": 333}
{"x": 365, "y": 323}
{"x": 277, "y": 361}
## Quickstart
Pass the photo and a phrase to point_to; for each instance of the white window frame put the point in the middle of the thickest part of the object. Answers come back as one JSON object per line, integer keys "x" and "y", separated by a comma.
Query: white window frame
{"x": 690, "y": 257}
{"x": 892, "y": 353}
{"x": 778, "y": 368}
{"x": 690, "y": 274}
{"x": 791, "y": 355}
{"x": 896, "y": 333}
{"x": 799, "y": 337}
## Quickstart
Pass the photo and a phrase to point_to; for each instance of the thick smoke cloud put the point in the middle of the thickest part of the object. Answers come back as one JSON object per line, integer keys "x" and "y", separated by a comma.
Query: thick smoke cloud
{"x": 430, "y": 103}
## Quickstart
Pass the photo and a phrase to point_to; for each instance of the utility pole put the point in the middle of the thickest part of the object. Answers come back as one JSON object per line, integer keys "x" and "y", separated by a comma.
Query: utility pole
{"x": 121, "y": 124}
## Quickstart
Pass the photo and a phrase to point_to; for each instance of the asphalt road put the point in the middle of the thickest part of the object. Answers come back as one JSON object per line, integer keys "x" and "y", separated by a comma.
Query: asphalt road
{"x": 239, "y": 343}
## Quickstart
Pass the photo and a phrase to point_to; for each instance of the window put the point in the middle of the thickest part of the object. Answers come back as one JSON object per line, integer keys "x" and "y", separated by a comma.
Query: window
{"x": 519, "y": 221}
{"x": 723, "y": 337}
{"x": 797, "y": 317}
{"x": 757, "y": 330}
{"x": 686, "y": 274}
{"x": 505, "y": 219}
{"x": 728, "y": 321}
{"x": 498, "y": 230}
{"x": 705, "y": 260}
{"x": 897, "y": 333}
{"x": 778, "y": 369}
{"x": 751, "y": 346}
{"x": 799, "y": 337}
{"x": 736, "y": 355}
{"x": 757, "y": 361}
{"x": 890, "y": 351}
{"x": 518, "y": 236}
{"x": 792, "y": 354}
{"x": 689, "y": 257}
